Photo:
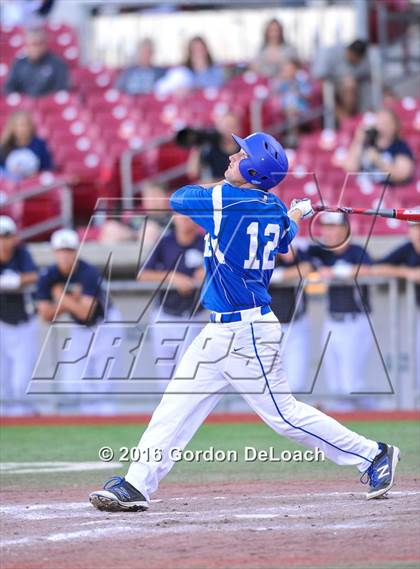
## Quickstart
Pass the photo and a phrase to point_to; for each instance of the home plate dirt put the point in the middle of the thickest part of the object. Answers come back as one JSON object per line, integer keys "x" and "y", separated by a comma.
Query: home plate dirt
{"x": 247, "y": 525}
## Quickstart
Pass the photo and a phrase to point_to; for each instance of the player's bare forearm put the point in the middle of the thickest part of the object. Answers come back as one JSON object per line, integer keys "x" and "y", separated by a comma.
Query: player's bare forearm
{"x": 28, "y": 278}
{"x": 48, "y": 310}
{"x": 400, "y": 272}
{"x": 149, "y": 275}
{"x": 80, "y": 308}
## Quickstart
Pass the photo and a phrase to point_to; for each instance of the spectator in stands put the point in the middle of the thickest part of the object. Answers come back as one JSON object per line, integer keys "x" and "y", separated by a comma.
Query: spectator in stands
{"x": 198, "y": 72}
{"x": 294, "y": 88}
{"x": 176, "y": 259}
{"x": 40, "y": 72}
{"x": 22, "y": 153}
{"x": 349, "y": 70}
{"x": 24, "y": 12}
{"x": 338, "y": 261}
{"x": 140, "y": 78}
{"x": 200, "y": 63}
{"x": 18, "y": 325}
{"x": 275, "y": 51}
{"x": 379, "y": 151}
{"x": 208, "y": 162}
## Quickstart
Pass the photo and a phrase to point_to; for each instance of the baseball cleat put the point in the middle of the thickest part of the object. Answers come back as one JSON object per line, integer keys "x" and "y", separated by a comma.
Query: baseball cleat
{"x": 380, "y": 474}
{"x": 118, "y": 495}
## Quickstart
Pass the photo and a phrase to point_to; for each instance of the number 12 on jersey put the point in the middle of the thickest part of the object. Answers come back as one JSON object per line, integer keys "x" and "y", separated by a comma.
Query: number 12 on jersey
{"x": 271, "y": 230}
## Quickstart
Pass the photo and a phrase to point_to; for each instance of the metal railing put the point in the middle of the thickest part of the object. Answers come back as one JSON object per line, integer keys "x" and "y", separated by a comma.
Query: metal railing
{"x": 130, "y": 188}
{"x": 394, "y": 320}
{"x": 256, "y": 108}
{"x": 65, "y": 217}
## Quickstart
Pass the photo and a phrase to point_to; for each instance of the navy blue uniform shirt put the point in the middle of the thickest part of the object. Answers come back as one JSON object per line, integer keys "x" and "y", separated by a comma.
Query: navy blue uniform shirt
{"x": 343, "y": 299}
{"x": 17, "y": 307}
{"x": 169, "y": 255}
{"x": 284, "y": 298}
{"x": 404, "y": 255}
{"x": 86, "y": 276}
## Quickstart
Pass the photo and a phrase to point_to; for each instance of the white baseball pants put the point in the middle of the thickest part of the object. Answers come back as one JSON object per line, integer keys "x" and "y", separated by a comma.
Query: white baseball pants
{"x": 167, "y": 353}
{"x": 18, "y": 353}
{"x": 245, "y": 355}
{"x": 346, "y": 359}
{"x": 295, "y": 350}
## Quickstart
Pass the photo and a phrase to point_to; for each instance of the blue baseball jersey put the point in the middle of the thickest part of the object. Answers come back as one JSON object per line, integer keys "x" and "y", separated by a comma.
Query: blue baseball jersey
{"x": 246, "y": 228}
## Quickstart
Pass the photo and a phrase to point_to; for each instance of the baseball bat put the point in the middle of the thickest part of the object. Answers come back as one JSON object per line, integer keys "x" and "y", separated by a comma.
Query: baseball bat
{"x": 403, "y": 214}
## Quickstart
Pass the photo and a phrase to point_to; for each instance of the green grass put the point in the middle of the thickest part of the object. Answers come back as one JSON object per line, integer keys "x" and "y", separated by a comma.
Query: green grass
{"x": 81, "y": 443}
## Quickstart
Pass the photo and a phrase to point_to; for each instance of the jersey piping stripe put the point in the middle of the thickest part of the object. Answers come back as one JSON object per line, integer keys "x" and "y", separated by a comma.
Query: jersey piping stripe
{"x": 250, "y": 201}
{"x": 216, "y": 271}
{"x": 283, "y": 417}
{"x": 217, "y": 208}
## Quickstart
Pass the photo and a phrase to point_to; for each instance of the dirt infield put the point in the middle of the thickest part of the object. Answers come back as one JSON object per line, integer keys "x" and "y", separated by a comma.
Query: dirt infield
{"x": 249, "y": 525}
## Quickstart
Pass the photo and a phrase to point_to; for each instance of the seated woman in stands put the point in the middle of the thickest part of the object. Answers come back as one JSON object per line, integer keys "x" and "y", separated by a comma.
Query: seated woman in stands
{"x": 274, "y": 52}
{"x": 198, "y": 72}
{"x": 22, "y": 152}
{"x": 378, "y": 150}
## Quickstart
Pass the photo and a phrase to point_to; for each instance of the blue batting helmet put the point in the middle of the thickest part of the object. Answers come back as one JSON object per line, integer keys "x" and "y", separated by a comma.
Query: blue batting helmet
{"x": 266, "y": 164}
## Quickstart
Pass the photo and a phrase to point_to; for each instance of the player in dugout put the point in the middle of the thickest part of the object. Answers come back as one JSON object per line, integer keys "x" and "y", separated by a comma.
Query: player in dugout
{"x": 18, "y": 323}
{"x": 338, "y": 261}
{"x": 178, "y": 259}
{"x": 73, "y": 287}
{"x": 289, "y": 305}
{"x": 404, "y": 263}
{"x": 246, "y": 226}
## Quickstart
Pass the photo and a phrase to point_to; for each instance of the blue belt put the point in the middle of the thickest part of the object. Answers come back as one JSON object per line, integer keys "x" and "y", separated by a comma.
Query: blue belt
{"x": 228, "y": 317}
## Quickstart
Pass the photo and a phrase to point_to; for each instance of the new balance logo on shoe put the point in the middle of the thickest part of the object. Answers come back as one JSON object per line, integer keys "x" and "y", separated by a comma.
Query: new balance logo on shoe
{"x": 383, "y": 471}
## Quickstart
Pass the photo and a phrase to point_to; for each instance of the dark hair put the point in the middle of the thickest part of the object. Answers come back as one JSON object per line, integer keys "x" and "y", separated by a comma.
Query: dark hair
{"x": 279, "y": 27}
{"x": 7, "y": 137}
{"x": 188, "y": 61}
{"x": 358, "y": 47}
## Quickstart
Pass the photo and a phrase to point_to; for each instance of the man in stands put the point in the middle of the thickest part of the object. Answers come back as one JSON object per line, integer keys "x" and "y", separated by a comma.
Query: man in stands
{"x": 141, "y": 78}
{"x": 40, "y": 72}
{"x": 349, "y": 70}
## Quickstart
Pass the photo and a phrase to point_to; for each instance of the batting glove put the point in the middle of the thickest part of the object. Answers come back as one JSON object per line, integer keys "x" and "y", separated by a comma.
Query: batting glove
{"x": 9, "y": 280}
{"x": 304, "y": 206}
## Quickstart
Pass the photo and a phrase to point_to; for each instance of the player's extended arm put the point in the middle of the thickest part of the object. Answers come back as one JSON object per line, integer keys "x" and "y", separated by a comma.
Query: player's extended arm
{"x": 48, "y": 310}
{"x": 281, "y": 274}
{"x": 11, "y": 280}
{"x": 187, "y": 198}
{"x": 28, "y": 278}
{"x": 81, "y": 308}
{"x": 183, "y": 283}
{"x": 398, "y": 271}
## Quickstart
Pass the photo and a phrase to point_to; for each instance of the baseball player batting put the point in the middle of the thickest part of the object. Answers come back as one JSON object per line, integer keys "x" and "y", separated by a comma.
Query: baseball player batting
{"x": 246, "y": 226}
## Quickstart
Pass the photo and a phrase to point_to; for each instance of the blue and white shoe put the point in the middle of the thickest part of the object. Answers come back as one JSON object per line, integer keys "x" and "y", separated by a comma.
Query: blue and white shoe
{"x": 380, "y": 474}
{"x": 118, "y": 495}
